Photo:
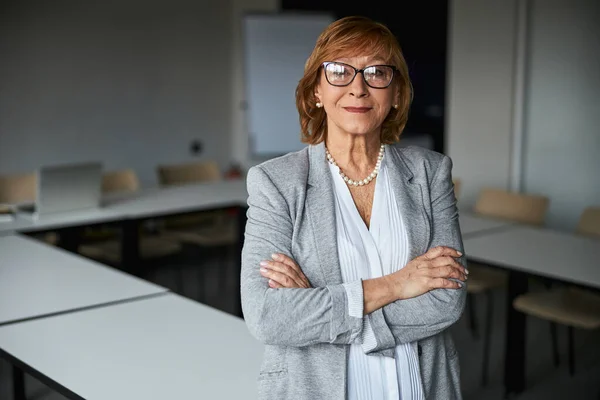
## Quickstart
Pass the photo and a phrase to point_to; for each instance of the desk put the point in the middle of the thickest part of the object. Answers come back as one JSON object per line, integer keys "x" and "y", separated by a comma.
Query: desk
{"x": 128, "y": 210}
{"x": 167, "y": 347}
{"x": 473, "y": 224}
{"x": 158, "y": 202}
{"x": 161, "y": 202}
{"x": 147, "y": 203}
{"x": 59, "y": 221}
{"x": 526, "y": 251}
{"x": 38, "y": 280}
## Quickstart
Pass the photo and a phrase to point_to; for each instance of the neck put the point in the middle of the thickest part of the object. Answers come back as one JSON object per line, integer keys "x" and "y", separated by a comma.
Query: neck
{"x": 355, "y": 155}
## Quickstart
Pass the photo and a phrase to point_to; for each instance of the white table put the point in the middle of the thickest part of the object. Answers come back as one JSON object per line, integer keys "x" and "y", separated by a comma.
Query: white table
{"x": 167, "y": 347}
{"x": 562, "y": 256}
{"x": 473, "y": 224}
{"x": 181, "y": 199}
{"x": 39, "y": 280}
{"x": 147, "y": 203}
{"x": 525, "y": 251}
{"x": 130, "y": 209}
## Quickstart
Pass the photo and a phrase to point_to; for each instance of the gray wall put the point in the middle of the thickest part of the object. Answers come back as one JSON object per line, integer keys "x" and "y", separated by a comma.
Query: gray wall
{"x": 562, "y": 118}
{"x": 479, "y": 95}
{"x": 560, "y": 138}
{"x": 128, "y": 82}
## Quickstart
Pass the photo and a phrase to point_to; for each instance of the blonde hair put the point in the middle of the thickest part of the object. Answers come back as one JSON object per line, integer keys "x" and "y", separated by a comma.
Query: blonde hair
{"x": 344, "y": 37}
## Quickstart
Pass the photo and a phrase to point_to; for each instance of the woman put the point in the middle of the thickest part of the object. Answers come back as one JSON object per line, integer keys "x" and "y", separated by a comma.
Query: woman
{"x": 352, "y": 268}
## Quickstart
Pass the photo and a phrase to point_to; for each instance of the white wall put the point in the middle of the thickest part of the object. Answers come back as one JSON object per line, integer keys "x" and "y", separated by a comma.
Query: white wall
{"x": 240, "y": 143}
{"x": 481, "y": 55}
{"x": 562, "y": 147}
{"x": 129, "y": 82}
{"x": 560, "y": 111}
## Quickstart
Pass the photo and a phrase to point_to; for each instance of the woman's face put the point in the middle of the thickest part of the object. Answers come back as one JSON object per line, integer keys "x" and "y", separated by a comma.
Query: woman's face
{"x": 356, "y": 109}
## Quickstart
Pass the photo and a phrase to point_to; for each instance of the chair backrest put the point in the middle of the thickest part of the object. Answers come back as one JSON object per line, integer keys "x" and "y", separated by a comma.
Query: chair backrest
{"x": 523, "y": 208}
{"x": 181, "y": 174}
{"x": 124, "y": 180}
{"x": 457, "y": 186}
{"x": 589, "y": 222}
{"x": 19, "y": 188}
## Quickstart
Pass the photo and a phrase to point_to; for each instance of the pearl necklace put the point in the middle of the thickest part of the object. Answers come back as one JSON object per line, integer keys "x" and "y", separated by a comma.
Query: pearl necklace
{"x": 361, "y": 182}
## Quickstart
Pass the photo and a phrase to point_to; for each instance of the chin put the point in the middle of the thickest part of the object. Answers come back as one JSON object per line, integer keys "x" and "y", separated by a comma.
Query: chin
{"x": 359, "y": 130}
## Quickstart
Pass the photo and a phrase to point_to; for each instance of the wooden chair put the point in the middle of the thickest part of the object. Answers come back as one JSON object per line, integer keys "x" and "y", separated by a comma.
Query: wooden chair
{"x": 522, "y": 208}
{"x": 104, "y": 244}
{"x": 19, "y": 188}
{"x": 22, "y": 188}
{"x": 205, "y": 230}
{"x": 457, "y": 186}
{"x": 567, "y": 305}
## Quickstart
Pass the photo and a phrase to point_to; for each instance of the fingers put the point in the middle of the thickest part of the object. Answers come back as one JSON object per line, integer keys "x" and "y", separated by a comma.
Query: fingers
{"x": 274, "y": 285}
{"x": 283, "y": 275}
{"x": 292, "y": 264}
{"x": 281, "y": 278}
{"x": 443, "y": 283}
{"x": 449, "y": 261}
{"x": 282, "y": 258}
{"x": 447, "y": 271}
{"x": 441, "y": 251}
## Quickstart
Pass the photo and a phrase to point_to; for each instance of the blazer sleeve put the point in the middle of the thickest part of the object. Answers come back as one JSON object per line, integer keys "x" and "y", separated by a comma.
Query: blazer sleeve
{"x": 288, "y": 317}
{"x": 420, "y": 317}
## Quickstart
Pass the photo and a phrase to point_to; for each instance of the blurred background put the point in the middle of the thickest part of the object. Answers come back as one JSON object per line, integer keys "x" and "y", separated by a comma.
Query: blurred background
{"x": 508, "y": 89}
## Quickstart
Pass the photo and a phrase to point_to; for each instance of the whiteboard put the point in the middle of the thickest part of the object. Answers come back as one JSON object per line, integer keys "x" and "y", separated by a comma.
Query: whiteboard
{"x": 276, "y": 47}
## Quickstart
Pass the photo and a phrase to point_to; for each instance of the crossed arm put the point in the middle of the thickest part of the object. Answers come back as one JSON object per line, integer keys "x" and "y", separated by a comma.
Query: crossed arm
{"x": 280, "y": 306}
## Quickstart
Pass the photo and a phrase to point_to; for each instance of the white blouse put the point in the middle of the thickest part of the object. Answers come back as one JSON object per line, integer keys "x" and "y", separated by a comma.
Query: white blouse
{"x": 370, "y": 253}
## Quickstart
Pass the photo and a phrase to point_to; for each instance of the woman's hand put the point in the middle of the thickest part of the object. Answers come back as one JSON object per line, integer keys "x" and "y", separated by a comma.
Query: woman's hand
{"x": 432, "y": 270}
{"x": 283, "y": 272}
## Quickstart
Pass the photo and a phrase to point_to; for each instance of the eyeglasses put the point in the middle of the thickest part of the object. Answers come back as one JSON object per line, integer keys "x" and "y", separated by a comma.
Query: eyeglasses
{"x": 375, "y": 76}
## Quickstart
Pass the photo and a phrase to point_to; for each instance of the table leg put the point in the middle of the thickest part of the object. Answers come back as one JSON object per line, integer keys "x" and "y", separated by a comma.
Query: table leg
{"x": 69, "y": 239}
{"x": 130, "y": 247}
{"x": 516, "y": 337}
{"x": 18, "y": 384}
{"x": 241, "y": 228}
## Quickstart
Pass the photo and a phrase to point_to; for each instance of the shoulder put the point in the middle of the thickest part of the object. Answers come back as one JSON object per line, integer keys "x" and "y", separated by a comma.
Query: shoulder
{"x": 418, "y": 156}
{"x": 286, "y": 173}
{"x": 424, "y": 163}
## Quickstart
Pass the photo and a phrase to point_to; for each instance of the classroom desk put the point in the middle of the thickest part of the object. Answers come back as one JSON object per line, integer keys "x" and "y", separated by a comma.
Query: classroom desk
{"x": 526, "y": 251}
{"x": 166, "y": 347}
{"x": 473, "y": 224}
{"x": 38, "y": 280}
{"x": 129, "y": 210}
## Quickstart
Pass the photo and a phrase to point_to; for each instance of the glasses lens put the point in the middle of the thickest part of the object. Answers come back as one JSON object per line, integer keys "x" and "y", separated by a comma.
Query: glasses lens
{"x": 338, "y": 74}
{"x": 378, "y": 76}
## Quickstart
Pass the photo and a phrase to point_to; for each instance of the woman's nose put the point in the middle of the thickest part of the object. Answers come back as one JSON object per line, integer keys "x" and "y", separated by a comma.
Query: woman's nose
{"x": 359, "y": 87}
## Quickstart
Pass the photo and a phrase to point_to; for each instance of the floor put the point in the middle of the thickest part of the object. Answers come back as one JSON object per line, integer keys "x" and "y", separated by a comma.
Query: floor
{"x": 544, "y": 381}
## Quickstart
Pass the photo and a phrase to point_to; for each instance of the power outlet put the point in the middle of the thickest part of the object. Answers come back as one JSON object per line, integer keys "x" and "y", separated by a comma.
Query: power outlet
{"x": 196, "y": 147}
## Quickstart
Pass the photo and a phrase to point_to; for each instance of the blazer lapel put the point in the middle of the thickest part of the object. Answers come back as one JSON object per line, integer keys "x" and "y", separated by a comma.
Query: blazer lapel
{"x": 321, "y": 211}
{"x": 409, "y": 194}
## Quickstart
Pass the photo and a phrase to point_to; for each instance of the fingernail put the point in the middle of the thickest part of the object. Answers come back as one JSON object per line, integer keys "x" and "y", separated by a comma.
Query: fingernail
{"x": 264, "y": 263}
{"x": 263, "y": 270}
{"x": 275, "y": 256}
{"x": 466, "y": 271}
{"x": 459, "y": 253}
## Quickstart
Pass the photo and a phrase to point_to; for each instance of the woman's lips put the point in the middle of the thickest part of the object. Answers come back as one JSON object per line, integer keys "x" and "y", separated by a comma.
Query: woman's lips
{"x": 359, "y": 110}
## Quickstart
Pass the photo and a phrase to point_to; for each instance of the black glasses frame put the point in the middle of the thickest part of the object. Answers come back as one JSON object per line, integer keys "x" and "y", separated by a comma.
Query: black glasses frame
{"x": 361, "y": 71}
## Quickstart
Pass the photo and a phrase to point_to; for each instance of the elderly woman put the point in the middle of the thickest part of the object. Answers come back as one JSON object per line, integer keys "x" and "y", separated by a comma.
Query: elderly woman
{"x": 352, "y": 268}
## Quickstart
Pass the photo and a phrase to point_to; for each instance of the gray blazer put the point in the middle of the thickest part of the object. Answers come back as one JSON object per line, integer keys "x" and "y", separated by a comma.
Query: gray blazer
{"x": 307, "y": 332}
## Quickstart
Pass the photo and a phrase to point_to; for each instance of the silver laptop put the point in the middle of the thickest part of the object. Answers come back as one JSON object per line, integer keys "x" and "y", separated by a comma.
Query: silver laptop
{"x": 64, "y": 188}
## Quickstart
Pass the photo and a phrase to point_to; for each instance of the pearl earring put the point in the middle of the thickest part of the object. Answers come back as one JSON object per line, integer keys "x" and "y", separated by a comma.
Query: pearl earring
{"x": 395, "y": 106}
{"x": 319, "y": 105}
